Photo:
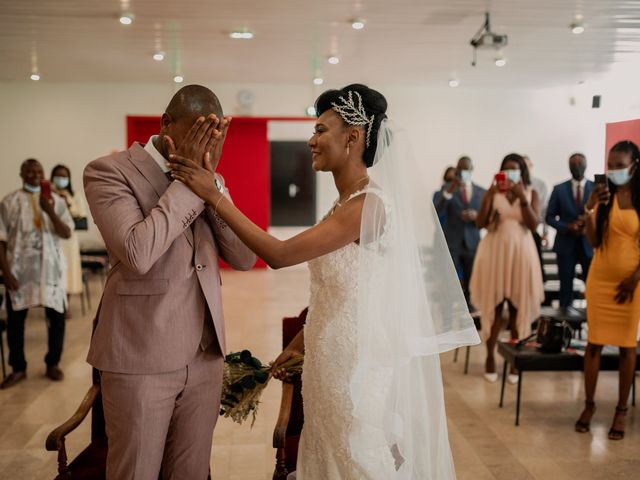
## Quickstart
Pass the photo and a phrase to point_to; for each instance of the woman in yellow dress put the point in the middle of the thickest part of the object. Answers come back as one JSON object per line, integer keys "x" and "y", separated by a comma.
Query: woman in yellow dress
{"x": 613, "y": 299}
{"x": 61, "y": 180}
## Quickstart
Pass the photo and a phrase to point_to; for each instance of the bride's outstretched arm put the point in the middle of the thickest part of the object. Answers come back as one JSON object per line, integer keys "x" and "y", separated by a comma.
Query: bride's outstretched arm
{"x": 340, "y": 229}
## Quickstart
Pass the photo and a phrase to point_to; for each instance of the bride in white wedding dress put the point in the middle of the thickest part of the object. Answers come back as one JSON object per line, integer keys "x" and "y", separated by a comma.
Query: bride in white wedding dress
{"x": 385, "y": 300}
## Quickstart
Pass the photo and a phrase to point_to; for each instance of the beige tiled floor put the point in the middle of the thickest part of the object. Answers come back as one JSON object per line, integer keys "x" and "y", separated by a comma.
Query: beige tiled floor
{"x": 485, "y": 443}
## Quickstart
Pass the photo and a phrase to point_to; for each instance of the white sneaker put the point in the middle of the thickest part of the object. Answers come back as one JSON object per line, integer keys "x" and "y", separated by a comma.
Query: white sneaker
{"x": 491, "y": 377}
{"x": 512, "y": 378}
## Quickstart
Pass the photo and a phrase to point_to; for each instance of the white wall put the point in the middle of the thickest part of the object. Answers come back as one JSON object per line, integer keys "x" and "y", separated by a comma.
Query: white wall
{"x": 75, "y": 123}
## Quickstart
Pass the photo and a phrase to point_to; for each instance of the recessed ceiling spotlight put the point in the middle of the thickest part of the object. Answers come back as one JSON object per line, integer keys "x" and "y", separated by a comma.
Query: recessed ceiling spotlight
{"x": 318, "y": 81}
{"x": 126, "y": 18}
{"x": 178, "y": 79}
{"x": 358, "y": 23}
{"x": 158, "y": 56}
{"x": 333, "y": 60}
{"x": 311, "y": 111}
{"x": 241, "y": 35}
{"x": 501, "y": 62}
{"x": 454, "y": 82}
{"x": 35, "y": 77}
{"x": 577, "y": 26}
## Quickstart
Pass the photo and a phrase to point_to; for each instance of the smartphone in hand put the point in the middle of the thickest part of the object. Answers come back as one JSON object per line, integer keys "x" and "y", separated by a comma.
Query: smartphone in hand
{"x": 600, "y": 178}
{"x": 45, "y": 189}
{"x": 502, "y": 182}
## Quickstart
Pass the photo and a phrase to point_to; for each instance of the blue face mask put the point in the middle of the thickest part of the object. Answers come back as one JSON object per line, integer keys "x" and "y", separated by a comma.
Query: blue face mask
{"x": 465, "y": 175}
{"x": 61, "y": 182}
{"x": 619, "y": 177}
{"x": 31, "y": 188}
{"x": 513, "y": 175}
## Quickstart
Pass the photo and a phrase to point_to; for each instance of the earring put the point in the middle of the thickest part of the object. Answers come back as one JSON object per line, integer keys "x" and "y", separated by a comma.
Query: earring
{"x": 348, "y": 145}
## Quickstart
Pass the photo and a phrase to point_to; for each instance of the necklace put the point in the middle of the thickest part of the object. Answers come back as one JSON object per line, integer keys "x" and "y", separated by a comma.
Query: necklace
{"x": 352, "y": 190}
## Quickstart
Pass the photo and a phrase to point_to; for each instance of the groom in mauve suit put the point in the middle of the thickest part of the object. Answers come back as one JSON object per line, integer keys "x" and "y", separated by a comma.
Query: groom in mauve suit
{"x": 159, "y": 331}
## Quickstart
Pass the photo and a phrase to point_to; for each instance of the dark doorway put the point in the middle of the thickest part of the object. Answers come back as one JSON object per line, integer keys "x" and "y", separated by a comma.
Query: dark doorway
{"x": 293, "y": 185}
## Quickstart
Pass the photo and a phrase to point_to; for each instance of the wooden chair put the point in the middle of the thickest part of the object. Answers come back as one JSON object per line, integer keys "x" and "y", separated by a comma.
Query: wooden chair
{"x": 286, "y": 434}
{"x": 92, "y": 461}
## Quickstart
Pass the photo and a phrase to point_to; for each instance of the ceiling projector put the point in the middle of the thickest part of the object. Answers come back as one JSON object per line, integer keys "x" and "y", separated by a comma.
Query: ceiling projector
{"x": 486, "y": 39}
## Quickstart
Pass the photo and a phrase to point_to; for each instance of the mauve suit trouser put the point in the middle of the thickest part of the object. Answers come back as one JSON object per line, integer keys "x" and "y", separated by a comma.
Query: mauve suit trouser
{"x": 167, "y": 419}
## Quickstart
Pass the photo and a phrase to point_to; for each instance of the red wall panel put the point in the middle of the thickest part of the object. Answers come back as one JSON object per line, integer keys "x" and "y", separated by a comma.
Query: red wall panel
{"x": 618, "y": 131}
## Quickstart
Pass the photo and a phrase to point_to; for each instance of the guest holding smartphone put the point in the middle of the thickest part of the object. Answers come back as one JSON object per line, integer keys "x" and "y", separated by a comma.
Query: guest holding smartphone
{"x": 613, "y": 301}
{"x": 507, "y": 267}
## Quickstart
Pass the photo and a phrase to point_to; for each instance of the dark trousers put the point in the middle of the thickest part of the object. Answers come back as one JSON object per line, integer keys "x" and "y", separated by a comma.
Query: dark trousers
{"x": 538, "y": 239}
{"x": 15, "y": 336}
{"x": 463, "y": 260}
{"x": 567, "y": 262}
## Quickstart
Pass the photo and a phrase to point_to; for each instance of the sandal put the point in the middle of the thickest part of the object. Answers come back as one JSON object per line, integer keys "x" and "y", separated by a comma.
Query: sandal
{"x": 614, "y": 433}
{"x": 584, "y": 426}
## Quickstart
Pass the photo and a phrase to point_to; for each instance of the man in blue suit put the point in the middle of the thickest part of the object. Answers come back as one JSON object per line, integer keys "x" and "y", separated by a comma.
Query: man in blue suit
{"x": 459, "y": 204}
{"x": 565, "y": 213}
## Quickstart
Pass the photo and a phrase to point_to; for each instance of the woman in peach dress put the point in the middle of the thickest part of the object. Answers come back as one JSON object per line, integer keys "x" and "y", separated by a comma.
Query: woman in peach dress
{"x": 507, "y": 266}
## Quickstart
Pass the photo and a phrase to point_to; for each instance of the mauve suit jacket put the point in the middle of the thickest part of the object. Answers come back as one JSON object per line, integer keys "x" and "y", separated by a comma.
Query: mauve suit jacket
{"x": 164, "y": 271}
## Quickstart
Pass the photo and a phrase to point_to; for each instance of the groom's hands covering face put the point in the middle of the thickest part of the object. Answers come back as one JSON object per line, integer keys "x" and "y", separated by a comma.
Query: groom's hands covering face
{"x": 200, "y": 139}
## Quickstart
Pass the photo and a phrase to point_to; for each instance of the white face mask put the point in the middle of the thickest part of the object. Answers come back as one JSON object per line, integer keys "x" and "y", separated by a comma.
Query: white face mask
{"x": 465, "y": 175}
{"x": 513, "y": 175}
{"x": 619, "y": 177}
{"x": 31, "y": 188}
{"x": 61, "y": 182}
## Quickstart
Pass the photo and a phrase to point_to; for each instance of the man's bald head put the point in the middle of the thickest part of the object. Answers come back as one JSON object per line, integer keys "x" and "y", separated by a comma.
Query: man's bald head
{"x": 193, "y": 101}
{"x": 187, "y": 105}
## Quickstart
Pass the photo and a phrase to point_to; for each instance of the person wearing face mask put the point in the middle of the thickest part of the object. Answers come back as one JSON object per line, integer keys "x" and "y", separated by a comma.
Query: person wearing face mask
{"x": 448, "y": 178}
{"x": 565, "y": 213}
{"x": 459, "y": 204}
{"x": 613, "y": 299}
{"x": 61, "y": 181}
{"x": 31, "y": 226}
{"x": 507, "y": 267}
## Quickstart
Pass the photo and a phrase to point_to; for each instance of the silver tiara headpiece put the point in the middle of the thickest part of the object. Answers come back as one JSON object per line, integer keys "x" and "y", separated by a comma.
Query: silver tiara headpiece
{"x": 352, "y": 112}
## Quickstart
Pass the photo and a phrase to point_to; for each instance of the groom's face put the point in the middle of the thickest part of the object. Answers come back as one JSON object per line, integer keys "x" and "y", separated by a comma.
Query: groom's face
{"x": 178, "y": 128}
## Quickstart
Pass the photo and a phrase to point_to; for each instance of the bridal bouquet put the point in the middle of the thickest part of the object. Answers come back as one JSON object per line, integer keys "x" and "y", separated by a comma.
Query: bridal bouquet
{"x": 245, "y": 377}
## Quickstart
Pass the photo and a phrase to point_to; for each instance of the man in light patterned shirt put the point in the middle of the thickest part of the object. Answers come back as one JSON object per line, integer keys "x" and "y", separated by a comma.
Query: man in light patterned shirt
{"x": 33, "y": 267}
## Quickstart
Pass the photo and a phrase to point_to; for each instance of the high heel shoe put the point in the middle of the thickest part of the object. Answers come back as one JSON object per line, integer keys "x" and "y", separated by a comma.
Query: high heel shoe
{"x": 491, "y": 377}
{"x": 614, "y": 433}
{"x": 583, "y": 426}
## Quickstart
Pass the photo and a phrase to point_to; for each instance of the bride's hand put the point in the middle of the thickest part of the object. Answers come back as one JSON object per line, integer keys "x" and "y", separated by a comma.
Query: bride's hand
{"x": 281, "y": 373}
{"x": 198, "y": 178}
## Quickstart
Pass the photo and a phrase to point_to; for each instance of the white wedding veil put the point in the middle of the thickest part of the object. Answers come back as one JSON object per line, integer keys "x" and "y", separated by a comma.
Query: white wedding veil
{"x": 410, "y": 309}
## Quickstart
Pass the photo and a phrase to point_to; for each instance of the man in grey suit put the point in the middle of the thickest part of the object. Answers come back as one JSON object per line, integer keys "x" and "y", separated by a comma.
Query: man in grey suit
{"x": 159, "y": 331}
{"x": 459, "y": 204}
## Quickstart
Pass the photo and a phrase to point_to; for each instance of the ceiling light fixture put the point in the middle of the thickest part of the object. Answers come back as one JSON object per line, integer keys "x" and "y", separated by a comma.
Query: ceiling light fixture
{"x": 311, "y": 111}
{"x": 241, "y": 34}
{"x": 501, "y": 62}
{"x": 577, "y": 26}
{"x": 318, "y": 81}
{"x": 178, "y": 79}
{"x": 333, "y": 60}
{"x": 358, "y": 24}
{"x": 35, "y": 77}
{"x": 454, "y": 82}
{"x": 126, "y": 18}
{"x": 158, "y": 56}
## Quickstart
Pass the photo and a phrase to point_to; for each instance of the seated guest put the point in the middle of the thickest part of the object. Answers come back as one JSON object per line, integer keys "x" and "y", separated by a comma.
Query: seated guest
{"x": 565, "y": 213}
{"x": 459, "y": 203}
{"x": 61, "y": 180}
{"x": 613, "y": 298}
{"x": 447, "y": 179}
{"x": 507, "y": 267}
{"x": 32, "y": 264}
